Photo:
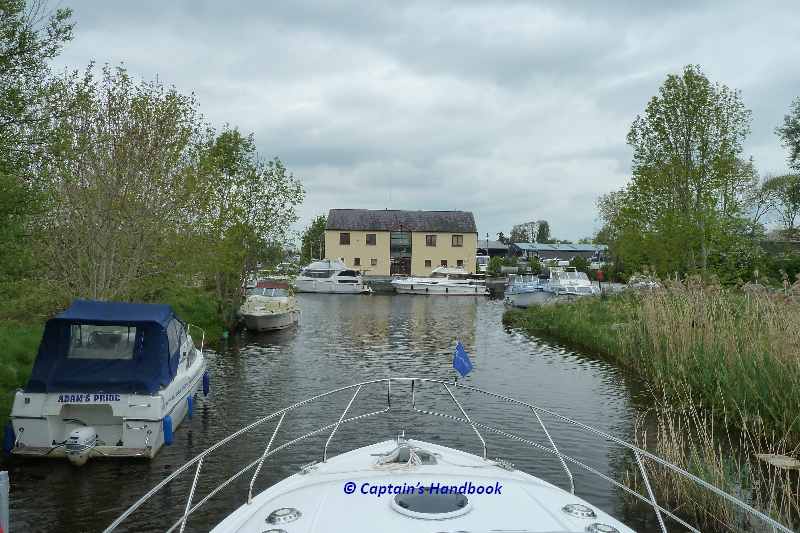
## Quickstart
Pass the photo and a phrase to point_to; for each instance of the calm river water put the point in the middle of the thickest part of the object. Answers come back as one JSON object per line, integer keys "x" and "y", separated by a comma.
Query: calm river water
{"x": 343, "y": 339}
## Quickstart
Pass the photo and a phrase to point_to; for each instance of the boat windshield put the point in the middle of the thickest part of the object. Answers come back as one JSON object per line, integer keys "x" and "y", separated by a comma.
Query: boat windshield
{"x": 89, "y": 341}
{"x": 317, "y": 273}
{"x": 271, "y": 292}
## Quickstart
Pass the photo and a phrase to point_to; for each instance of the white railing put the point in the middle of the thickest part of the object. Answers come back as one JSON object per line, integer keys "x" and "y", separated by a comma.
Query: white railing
{"x": 565, "y": 460}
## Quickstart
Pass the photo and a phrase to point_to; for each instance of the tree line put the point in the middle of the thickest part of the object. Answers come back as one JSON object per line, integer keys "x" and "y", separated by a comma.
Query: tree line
{"x": 114, "y": 188}
{"x": 695, "y": 202}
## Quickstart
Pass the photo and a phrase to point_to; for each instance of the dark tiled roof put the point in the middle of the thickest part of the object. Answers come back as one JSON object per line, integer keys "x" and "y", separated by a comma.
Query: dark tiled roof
{"x": 396, "y": 220}
{"x": 539, "y": 247}
{"x": 493, "y": 245}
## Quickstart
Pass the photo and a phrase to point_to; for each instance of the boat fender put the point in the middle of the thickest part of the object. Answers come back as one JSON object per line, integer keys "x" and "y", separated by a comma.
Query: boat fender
{"x": 167, "y": 423}
{"x": 189, "y": 406}
{"x": 8, "y": 438}
{"x": 206, "y": 383}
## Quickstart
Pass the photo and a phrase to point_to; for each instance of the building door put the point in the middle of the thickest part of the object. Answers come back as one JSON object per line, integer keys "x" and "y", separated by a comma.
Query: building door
{"x": 400, "y": 253}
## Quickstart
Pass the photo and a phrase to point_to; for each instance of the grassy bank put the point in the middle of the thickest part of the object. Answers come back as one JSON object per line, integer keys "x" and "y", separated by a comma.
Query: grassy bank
{"x": 733, "y": 352}
{"x": 25, "y": 310}
{"x": 724, "y": 369}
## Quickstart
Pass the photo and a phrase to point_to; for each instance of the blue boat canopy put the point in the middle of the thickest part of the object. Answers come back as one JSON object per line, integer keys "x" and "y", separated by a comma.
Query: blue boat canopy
{"x": 110, "y": 347}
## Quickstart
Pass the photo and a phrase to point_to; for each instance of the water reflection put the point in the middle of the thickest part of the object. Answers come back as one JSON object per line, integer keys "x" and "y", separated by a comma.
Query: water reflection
{"x": 343, "y": 339}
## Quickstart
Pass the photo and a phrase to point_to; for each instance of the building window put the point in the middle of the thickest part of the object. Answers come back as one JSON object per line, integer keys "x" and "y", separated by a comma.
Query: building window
{"x": 370, "y": 239}
{"x": 430, "y": 240}
{"x": 427, "y": 263}
{"x": 458, "y": 241}
{"x": 444, "y": 262}
{"x": 357, "y": 262}
{"x": 373, "y": 262}
{"x": 460, "y": 263}
{"x": 344, "y": 238}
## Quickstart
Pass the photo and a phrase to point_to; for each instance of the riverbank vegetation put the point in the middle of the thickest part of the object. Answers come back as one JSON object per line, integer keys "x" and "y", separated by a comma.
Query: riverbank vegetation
{"x": 723, "y": 366}
{"x": 119, "y": 189}
{"x": 734, "y": 351}
{"x": 696, "y": 203}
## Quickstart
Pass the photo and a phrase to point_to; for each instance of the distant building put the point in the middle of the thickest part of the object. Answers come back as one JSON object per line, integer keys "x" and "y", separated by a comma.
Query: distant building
{"x": 385, "y": 242}
{"x": 492, "y": 248}
{"x": 558, "y": 251}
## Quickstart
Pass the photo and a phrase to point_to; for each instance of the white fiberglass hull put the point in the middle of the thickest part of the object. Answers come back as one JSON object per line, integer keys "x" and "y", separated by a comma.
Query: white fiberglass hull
{"x": 342, "y": 494}
{"x": 329, "y": 286}
{"x": 403, "y": 287}
{"x": 127, "y": 425}
{"x": 527, "y": 299}
{"x": 271, "y": 321}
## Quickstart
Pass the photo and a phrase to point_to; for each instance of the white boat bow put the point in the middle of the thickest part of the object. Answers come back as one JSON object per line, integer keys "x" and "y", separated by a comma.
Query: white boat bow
{"x": 341, "y": 493}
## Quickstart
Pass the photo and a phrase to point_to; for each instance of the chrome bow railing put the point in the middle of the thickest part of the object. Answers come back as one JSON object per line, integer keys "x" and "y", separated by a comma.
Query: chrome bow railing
{"x": 639, "y": 454}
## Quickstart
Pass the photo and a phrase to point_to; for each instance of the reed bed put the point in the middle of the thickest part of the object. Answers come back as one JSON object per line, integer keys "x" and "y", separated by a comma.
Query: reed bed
{"x": 734, "y": 351}
{"x": 724, "y": 365}
{"x": 706, "y": 447}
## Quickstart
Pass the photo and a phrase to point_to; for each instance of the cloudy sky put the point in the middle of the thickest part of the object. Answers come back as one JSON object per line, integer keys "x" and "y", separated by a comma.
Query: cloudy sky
{"x": 514, "y": 110}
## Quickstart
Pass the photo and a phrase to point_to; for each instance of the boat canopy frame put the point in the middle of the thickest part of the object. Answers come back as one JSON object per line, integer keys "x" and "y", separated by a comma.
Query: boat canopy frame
{"x": 156, "y": 335}
{"x": 448, "y": 386}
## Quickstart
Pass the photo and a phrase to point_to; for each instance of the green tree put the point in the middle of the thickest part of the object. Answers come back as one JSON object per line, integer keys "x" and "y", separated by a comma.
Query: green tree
{"x": 581, "y": 264}
{"x": 313, "y": 240}
{"x": 503, "y": 239}
{"x": 543, "y": 232}
{"x": 29, "y": 39}
{"x": 524, "y": 232}
{"x": 248, "y": 204}
{"x": 687, "y": 196}
{"x": 118, "y": 174}
{"x": 789, "y": 133}
{"x": 786, "y": 194}
{"x": 495, "y": 264}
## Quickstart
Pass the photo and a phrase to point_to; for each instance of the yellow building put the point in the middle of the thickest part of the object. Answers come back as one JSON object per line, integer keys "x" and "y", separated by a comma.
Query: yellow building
{"x": 386, "y": 242}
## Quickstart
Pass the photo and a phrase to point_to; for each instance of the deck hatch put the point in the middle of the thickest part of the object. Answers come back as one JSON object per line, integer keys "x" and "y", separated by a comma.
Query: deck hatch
{"x": 431, "y": 505}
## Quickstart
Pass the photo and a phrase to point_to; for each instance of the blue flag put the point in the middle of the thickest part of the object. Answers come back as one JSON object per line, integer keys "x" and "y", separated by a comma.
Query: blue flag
{"x": 461, "y": 360}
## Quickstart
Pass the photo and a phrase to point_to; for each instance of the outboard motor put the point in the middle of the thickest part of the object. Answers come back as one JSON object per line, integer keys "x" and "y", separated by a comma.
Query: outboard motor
{"x": 80, "y": 443}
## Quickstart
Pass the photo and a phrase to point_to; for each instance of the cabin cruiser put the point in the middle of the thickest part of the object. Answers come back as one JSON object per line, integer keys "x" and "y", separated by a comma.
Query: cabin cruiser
{"x": 448, "y": 281}
{"x": 568, "y": 281}
{"x": 331, "y": 276}
{"x": 405, "y": 485}
{"x": 269, "y": 307}
{"x": 110, "y": 379}
{"x": 526, "y": 291}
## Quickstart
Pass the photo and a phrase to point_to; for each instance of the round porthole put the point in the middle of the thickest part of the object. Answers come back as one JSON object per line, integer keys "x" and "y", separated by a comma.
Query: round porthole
{"x": 601, "y": 528}
{"x": 431, "y": 506}
{"x": 284, "y": 515}
{"x": 579, "y": 511}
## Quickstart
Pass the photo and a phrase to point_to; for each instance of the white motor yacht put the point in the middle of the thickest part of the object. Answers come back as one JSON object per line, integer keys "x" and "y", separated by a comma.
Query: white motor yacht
{"x": 330, "y": 276}
{"x": 524, "y": 292}
{"x": 269, "y": 306}
{"x": 446, "y": 281}
{"x": 111, "y": 379}
{"x": 568, "y": 281}
{"x": 405, "y": 485}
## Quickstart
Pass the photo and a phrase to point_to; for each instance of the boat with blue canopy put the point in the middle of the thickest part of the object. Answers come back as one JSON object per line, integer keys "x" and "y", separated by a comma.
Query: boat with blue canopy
{"x": 110, "y": 379}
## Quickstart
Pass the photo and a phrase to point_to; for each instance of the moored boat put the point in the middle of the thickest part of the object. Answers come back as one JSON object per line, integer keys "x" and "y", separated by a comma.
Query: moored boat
{"x": 110, "y": 379}
{"x": 269, "y": 307}
{"x": 443, "y": 281}
{"x": 569, "y": 282}
{"x": 330, "y": 276}
{"x": 527, "y": 292}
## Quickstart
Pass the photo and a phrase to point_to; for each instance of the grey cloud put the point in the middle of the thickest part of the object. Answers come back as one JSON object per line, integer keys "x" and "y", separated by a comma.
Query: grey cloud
{"x": 516, "y": 110}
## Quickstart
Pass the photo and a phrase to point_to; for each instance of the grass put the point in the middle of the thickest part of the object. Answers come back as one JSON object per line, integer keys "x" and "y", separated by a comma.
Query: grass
{"x": 19, "y": 342}
{"x": 27, "y": 306}
{"x": 690, "y": 438}
{"x": 725, "y": 367}
{"x": 734, "y": 352}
